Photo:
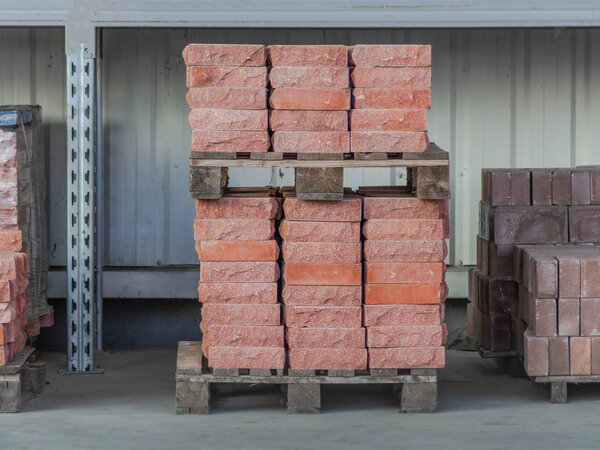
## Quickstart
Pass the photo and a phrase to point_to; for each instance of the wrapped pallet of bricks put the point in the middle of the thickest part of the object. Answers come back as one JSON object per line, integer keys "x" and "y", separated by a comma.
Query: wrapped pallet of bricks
{"x": 26, "y": 209}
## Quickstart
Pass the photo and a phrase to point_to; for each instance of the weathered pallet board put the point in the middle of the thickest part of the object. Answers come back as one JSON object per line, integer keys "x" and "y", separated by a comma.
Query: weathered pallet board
{"x": 21, "y": 380}
{"x": 558, "y": 384}
{"x": 302, "y": 388}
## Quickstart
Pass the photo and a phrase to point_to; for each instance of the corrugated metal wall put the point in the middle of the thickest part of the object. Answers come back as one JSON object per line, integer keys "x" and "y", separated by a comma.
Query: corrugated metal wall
{"x": 500, "y": 98}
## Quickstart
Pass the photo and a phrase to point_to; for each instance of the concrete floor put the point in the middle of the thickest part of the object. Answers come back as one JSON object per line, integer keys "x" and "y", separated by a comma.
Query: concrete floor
{"x": 132, "y": 406}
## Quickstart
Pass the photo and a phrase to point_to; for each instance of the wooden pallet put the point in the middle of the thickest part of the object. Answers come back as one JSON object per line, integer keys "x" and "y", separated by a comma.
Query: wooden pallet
{"x": 301, "y": 389}
{"x": 558, "y": 384}
{"x": 21, "y": 380}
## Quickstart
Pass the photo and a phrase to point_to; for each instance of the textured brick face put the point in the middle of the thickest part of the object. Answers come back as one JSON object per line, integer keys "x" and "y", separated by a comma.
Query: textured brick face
{"x": 322, "y": 316}
{"x": 308, "y": 55}
{"x": 238, "y": 208}
{"x": 224, "y": 55}
{"x": 328, "y": 358}
{"x": 289, "y": 120}
{"x": 322, "y": 295}
{"x": 390, "y": 55}
{"x": 233, "y": 229}
{"x": 230, "y": 141}
{"x": 407, "y": 207}
{"x": 384, "y": 294}
{"x": 310, "y": 99}
{"x": 403, "y": 251}
{"x": 310, "y": 77}
{"x": 224, "y": 292}
{"x": 244, "y": 272}
{"x": 528, "y": 225}
{"x": 419, "y": 336}
{"x": 404, "y": 272}
{"x": 407, "y": 358}
{"x": 311, "y": 141}
{"x": 247, "y": 357}
{"x": 388, "y": 141}
{"x": 584, "y": 224}
{"x": 402, "y": 315}
{"x": 319, "y": 231}
{"x": 536, "y": 355}
{"x": 237, "y": 250}
{"x": 580, "y": 350}
{"x": 321, "y": 252}
{"x": 325, "y": 337}
{"x": 236, "y": 314}
{"x": 227, "y": 98}
{"x": 245, "y": 336}
{"x": 390, "y": 98}
{"x": 403, "y": 229}
{"x": 227, "y": 76}
{"x": 229, "y": 119}
{"x": 388, "y": 119}
{"x": 391, "y": 77}
{"x": 347, "y": 210}
{"x": 322, "y": 274}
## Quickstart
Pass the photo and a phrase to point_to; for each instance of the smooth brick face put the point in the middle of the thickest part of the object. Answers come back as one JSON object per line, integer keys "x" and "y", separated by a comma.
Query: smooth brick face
{"x": 322, "y": 252}
{"x": 405, "y": 251}
{"x": 568, "y": 316}
{"x": 545, "y": 316}
{"x": 495, "y": 186}
{"x": 322, "y": 295}
{"x": 224, "y": 55}
{"x": 247, "y": 357}
{"x": 325, "y": 337}
{"x": 236, "y": 314}
{"x": 311, "y": 141}
{"x": 543, "y": 277}
{"x": 520, "y": 187}
{"x": 421, "y": 336}
{"x": 310, "y": 99}
{"x": 580, "y": 187}
{"x": 391, "y": 77}
{"x": 390, "y": 55}
{"x": 541, "y": 187}
{"x": 408, "y": 207}
{"x": 308, "y": 55}
{"x": 536, "y": 355}
{"x": 238, "y": 292}
{"x": 286, "y": 120}
{"x": 388, "y": 141}
{"x": 569, "y": 277}
{"x": 322, "y": 274}
{"x": 558, "y": 348}
{"x": 590, "y": 277}
{"x": 388, "y": 119}
{"x": 327, "y": 358}
{"x": 295, "y": 231}
{"x": 561, "y": 187}
{"x": 227, "y": 98}
{"x": 11, "y": 241}
{"x": 238, "y": 208}
{"x": 501, "y": 260}
{"x": 407, "y": 358}
{"x": 402, "y": 315}
{"x": 310, "y": 77}
{"x": 529, "y": 225}
{"x": 237, "y": 250}
{"x": 227, "y": 76}
{"x": 590, "y": 316}
{"x": 233, "y": 229}
{"x": 394, "y": 98}
{"x": 581, "y": 355}
{"x": 404, "y": 272}
{"x": 347, "y": 210}
{"x": 245, "y": 336}
{"x": 244, "y": 272}
{"x": 584, "y": 224}
{"x": 403, "y": 229}
{"x": 230, "y": 141}
{"x": 229, "y": 119}
{"x": 322, "y": 316}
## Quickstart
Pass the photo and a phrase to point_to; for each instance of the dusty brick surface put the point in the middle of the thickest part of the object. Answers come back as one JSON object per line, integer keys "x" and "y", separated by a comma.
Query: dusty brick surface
{"x": 404, "y": 207}
{"x": 310, "y": 99}
{"x": 243, "y": 272}
{"x": 581, "y": 355}
{"x": 322, "y": 274}
{"x": 295, "y": 231}
{"x": 405, "y": 251}
{"x": 404, "y": 272}
{"x": 536, "y": 361}
{"x": 388, "y": 141}
{"x": 322, "y": 295}
{"x": 403, "y": 229}
{"x": 11, "y": 241}
{"x": 580, "y": 187}
{"x": 237, "y": 250}
{"x": 347, "y": 210}
{"x": 388, "y": 119}
{"x": 247, "y": 357}
{"x": 561, "y": 187}
{"x": 390, "y": 98}
{"x": 325, "y": 337}
{"x": 290, "y": 120}
{"x": 227, "y": 98}
{"x": 419, "y": 336}
{"x": 402, "y": 315}
{"x": 541, "y": 187}
{"x": 390, "y": 55}
{"x": 220, "y": 292}
{"x": 230, "y": 141}
{"x": 590, "y": 277}
{"x": 327, "y": 358}
{"x": 245, "y": 336}
{"x": 227, "y": 76}
{"x": 310, "y": 77}
{"x": 322, "y": 252}
{"x": 391, "y": 77}
{"x": 311, "y": 141}
{"x": 229, "y": 119}
{"x": 225, "y": 55}
{"x": 384, "y": 294}
{"x": 308, "y": 55}
{"x": 238, "y": 208}
{"x": 407, "y": 358}
{"x": 322, "y": 316}
{"x": 237, "y": 314}
{"x": 530, "y": 225}
{"x": 590, "y": 317}
{"x": 558, "y": 352}
{"x": 233, "y": 229}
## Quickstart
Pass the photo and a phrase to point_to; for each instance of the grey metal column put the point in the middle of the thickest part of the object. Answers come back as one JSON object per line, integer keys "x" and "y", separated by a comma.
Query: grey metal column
{"x": 81, "y": 258}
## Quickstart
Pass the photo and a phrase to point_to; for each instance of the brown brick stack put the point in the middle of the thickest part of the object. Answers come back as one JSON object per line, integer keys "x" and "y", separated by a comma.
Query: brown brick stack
{"x": 310, "y": 98}
{"x": 404, "y": 250}
{"x": 321, "y": 252}
{"x": 527, "y": 207}
{"x": 241, "y": 315}
{"x": 228, "y": 97}
{"x": 391, "y": 92}
{"x": 559, "y": 301}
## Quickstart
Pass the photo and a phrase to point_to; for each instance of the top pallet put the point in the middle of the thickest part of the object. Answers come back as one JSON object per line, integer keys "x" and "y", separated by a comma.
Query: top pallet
{"x": 308, "y": 98}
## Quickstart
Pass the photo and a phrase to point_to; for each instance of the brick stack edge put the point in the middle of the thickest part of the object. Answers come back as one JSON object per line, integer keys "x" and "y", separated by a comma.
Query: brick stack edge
{"x": 524, "y": 207}
{"x": 322, "y": 98}
{"x": 13, "y": 263}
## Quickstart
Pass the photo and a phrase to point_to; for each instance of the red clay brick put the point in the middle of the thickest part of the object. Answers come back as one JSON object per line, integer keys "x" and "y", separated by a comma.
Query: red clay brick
{"x": 238, "y": 292}
{"x": 322, "y": 295}
{"x": 237, "y": 250}
{"x": 311, "y": 141}
{"x": 325, "y": 337}
{"x": 227, "y": 76}
{"x": 405, "y": 251}
{"x": 407, "y": 358}
{"x": 243, "y": 272}
{"x": 386, "y": 294}
{"x": 311, "y": 99}
{"x": 6, "y": 291}
{"x": 390, "y": 55}
{"x": 245, "y": 336}
{"x": 347, "y": 210}
{"x": 227, "y": 98}
{"x": 225, "y": 55}
{"x": 391, "y": 77}
{"x": 322, "y": 274}
{"x": 590, "y": 277}
{"x": 8, "y": 266}
{"x": 327, "y": 358}
{"x": 295, "y": 231}
{"x": 394, "y": 98}
{"x": 310, "y": 77}
{"x": 388, "y": 119}
{"x": 541, "y": 187}
{"x": 287, "y": 120}
{"x": 322, "y": 316}
{"x": 230, "y": 141}
{"x": 322, "y": 252}
{"x": 590, "y": 316}
{"x": 229, "y": 119}
{"x": 403, "y": 229}
{"x": 420, "y": 336}
{"x": 236, "y": 314}
{"x": 388, "y": 141}
{"x": 233, "y": 229}
{"x": 581, "y": 355}
{"x": 568, "y": 316}
{"x": 536, "y": 355}
{"x": 403, "y": 207}
{"x": 11, "y": 241}
{"x": 404, "y": 272}
{"x": 402, "y": 315}
{"x": 308, "y": 55}
{"x": 238, "y": 208}
{"x": 247, "y": 357}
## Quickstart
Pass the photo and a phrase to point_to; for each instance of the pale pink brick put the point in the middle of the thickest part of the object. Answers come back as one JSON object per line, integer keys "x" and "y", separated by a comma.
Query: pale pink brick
{"x": 407, "y": 358}
{"x": 233, "y": 229}
{"x": 223, "y": 292}
{"x": 229, "y": 119}
{"x": 247, "y": 357}
{"x": 325, "y": 337}
{"x": 311, "y": 141}
{"x": 310, "y": 77}
{"x": 227, "y": 76}
{"x": 225, "y": 55}
{"x": 388, "y": 141}
{"x": 227, "y": 98}
{"x": 327, "y": 358}
{"x": 236, "y": 314}
{"x": 308, "y": 55}
{"x": 230, "y": 141}
{"x": 243, "y": 272}
{"x": 298, "y": 120}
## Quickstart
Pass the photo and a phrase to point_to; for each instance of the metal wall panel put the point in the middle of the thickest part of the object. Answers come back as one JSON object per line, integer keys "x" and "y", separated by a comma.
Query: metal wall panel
{"x": 500, "y": 98}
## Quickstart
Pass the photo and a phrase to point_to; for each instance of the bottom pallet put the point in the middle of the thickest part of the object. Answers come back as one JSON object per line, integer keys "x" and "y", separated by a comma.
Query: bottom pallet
{"x": 21, "y": 380}
{"x": 301, "y": 389}
{"x": 558, "y": 384}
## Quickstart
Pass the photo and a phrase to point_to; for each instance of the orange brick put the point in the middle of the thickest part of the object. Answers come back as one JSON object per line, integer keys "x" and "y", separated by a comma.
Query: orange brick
{"x": 310, "y": 99}
{"x": 237, "y": 250}
{"x": 381, "y": 294}
{"x": 404, "y": 272}
{"x": 322, "y": 274}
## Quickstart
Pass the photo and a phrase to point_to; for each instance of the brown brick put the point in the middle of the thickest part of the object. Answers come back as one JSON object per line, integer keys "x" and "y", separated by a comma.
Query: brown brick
{"x": 580, "y": 187}
{"x": 290, "y": 120}
{"x": 590, "y": 277}
{"x": 581, "y": 355}
{"x": 530, "y": 225}
{"x": 310, "y": 77}
{"x": 390, "y": 55}
{"x": 227, "y": 76}
{"x": 543, "y": 316}
{"x": 536, "y": 355}
{"x": 520, "y": 187}
{"x": 595, "y": 186}
{"x": 541, "y": 187}
{"x": 558, "y": 348}
{"x": 595, "y": 355}
{"x": 568, "y": 316}
{"x": 495, "y": 185}
{"x": 225, "y": 55}
{"x": 561, "y": 187}
{"x": 569, "y": 276}
{"x": 227, "y": 98}
{"x": 584, "y": 224}
{"x": 391, "y": 98}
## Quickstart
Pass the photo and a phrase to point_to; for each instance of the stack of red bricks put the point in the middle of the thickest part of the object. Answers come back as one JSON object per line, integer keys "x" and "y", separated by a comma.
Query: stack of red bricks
{"x": 322, "y": 299}
{"x": 228, "y": 97}
{"x": 404, "y": 250}
{"x": 524, "y": 207}
{"x": 391, "y": 91}
{"x": 13, "y": 264}
{"x": 239, "y": 270}
{"x": 559, "y": 300}
{"x": 310, "y": 98}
